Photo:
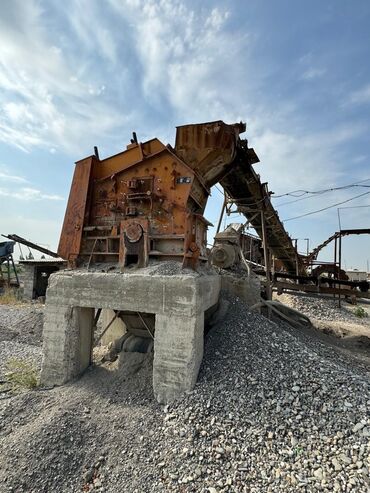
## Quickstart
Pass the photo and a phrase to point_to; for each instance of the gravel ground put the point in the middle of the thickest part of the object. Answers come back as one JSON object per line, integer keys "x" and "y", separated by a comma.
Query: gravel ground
{"x": 274, "y": 410}
{"x": 20, "y": 335}
{"x": 321, "y": 308}
{"x": 22, "y": 323}
{"x": 162, "y": 268}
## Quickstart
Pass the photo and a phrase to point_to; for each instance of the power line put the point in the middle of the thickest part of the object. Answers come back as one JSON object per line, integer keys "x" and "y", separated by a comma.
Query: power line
{"x": 354, "y": 207}
{"x": 326, "y": 208}
{"x": 306, "y": 192}
{"x": 321, "y": 192}
{"x": 299, "y": 193}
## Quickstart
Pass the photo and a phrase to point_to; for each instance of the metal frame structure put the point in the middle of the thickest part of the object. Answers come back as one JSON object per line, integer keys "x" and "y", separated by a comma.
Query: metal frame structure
{"x": 6, "y": 257}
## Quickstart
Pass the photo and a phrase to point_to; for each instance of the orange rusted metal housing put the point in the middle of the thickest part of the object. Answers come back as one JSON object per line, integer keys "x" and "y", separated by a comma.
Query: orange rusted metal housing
{"x": 143, "y": 202}
{"x": 149, "y": 200}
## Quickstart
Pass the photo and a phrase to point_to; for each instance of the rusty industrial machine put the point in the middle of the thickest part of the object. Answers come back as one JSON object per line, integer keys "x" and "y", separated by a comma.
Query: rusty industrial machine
{"x": 148, "y": 201}
{"x": 234, "y": 243}
{"x": 141, "y": 203}
{"x": 8, "y": 275}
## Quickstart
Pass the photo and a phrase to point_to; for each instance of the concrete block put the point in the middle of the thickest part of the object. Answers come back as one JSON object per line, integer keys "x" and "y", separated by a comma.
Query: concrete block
{"x": 178, "y": 302}
{"x": 28, "y": 277}
{"x": 67, "y": 343}
{"x": 178, "y": 353}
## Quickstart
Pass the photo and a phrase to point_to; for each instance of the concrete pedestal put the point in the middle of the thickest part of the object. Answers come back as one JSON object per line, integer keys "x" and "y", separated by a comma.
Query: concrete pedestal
{"x": 178, "y": 302}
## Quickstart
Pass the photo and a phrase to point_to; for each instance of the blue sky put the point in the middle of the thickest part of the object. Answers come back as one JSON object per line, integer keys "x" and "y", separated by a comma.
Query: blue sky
{"x": 75, "y": 74}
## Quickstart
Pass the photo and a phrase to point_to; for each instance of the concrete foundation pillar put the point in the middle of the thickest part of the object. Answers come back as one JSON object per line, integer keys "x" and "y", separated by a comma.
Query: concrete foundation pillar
{"x": 28, "y": 277}
{"x": 178, "y": 353}
{"x": 178, "y": 303}
{"x": 67, "y": 343}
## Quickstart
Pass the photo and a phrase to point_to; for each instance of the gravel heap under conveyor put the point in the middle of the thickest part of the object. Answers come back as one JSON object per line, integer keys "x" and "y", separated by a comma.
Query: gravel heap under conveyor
{"x": 274, "y": 411}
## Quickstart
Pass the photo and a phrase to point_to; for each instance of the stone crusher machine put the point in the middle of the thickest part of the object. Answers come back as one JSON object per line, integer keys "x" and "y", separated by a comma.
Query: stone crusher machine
{"x": 148, "y": 201}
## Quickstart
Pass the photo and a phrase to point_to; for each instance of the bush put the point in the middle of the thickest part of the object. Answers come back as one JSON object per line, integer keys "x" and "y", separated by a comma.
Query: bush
{"x": 9, "y": 297}
{"x": 360, "y": 312}
{"x": 21, "y": 374}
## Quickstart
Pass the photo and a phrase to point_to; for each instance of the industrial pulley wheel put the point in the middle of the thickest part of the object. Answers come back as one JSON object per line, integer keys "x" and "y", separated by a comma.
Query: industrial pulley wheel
{"x": 136, "y": 344}
{"x": 134, "y": 232}
{"x": 224, "y": 256}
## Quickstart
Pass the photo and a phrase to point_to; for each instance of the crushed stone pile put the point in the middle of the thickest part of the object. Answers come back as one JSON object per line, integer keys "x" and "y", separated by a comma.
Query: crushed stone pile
{"x": 20, "y": 335}
{"x": 155, "y": 267}
{"x": 274, "y": 410}
{"x": 22, "y": 323}
{"x": 320, "y": 308}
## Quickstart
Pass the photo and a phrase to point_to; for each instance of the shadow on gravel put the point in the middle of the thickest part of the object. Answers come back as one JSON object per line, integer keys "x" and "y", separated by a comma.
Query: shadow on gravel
{"x": 120, "y": 385}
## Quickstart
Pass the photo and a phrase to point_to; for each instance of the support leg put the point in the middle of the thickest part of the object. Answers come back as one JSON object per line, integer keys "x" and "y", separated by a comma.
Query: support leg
{"x": 178, "y": 353}
{"x": 67, "y": 343}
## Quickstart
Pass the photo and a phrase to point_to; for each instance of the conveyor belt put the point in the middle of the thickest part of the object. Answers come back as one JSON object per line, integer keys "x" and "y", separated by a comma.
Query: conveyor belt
{"x": 243, "y": 186}
{"x": 217, "y": 154}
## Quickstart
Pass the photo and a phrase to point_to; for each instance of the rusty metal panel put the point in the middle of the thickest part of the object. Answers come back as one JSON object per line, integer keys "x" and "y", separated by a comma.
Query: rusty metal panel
{"x": 208, "y": 148}
{"x": 167, "y": 189}
{"x": 70, "y": 239}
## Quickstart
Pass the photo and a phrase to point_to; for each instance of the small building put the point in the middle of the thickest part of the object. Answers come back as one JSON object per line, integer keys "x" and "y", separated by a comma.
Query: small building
{"x": 35, "y": 275}
{"x": 356, "y": 275}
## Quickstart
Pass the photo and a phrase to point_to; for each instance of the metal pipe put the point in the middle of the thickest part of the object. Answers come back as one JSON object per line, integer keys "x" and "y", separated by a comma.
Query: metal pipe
{"x": 220, "y": 219}
{"x": 107, "y": 327}
{"x": 335, "y": 260}
{"x": 266, "y": 257}
{"x": 340, "y": 265}
{"x": 145, "y": 325}
{"x": 29, "y": 244}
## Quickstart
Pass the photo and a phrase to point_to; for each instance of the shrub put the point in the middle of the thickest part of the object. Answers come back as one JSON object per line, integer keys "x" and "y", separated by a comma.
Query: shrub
{"x": 360, "y": 312}
{"x": 9, "y": 297}
{"x": 21, "y": 374}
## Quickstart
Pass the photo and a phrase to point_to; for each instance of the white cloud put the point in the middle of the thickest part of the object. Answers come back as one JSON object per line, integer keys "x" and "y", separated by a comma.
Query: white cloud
{"x": 45, "y": 103}
{"x": 311, "y": 70}
{"x": 313, "y": 73}
{"x": 187, "y": 57}
{"x": 4, "y": 176}
{"x": 361, "y": 96}
{"x": 28, "y": 194}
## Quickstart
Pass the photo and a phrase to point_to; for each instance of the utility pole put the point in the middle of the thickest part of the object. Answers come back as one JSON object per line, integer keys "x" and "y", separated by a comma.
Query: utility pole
{"x": 308, "y": 245}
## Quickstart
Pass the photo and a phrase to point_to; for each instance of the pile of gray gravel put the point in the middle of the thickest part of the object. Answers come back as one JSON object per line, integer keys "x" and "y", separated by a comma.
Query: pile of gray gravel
{"x": 20, "y": 335}
{"x": 22, "y": 323}
{"x": 320, "y": 308}
{"x": 274, "y": 410}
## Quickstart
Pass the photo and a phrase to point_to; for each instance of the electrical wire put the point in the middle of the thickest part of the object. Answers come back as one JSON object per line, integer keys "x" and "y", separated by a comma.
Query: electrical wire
{"x": 299, "y": 193}
{"x": 326, "y": 208}
{"x": 320, "y": 193}
{"x": 313, "y": 194}
{"x": 354, "y": 207}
